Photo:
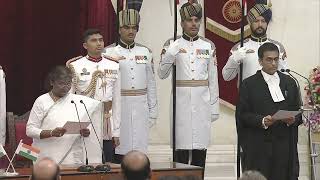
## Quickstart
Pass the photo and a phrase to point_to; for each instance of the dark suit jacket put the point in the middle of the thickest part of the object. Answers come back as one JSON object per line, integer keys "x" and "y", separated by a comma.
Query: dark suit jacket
{"x": 255, "y": 102}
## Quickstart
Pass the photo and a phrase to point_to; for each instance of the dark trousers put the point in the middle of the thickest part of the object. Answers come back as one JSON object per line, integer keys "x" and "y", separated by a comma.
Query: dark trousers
{"x": 108, "y": 151}
{"x": 198, "y": 157}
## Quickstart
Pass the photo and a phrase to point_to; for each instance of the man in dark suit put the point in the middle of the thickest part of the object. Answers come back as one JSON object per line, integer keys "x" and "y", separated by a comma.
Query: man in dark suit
{"x": 270, "y": 145}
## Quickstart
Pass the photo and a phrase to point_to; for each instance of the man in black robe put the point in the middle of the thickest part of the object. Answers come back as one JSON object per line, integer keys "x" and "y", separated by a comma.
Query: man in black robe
{"x": 270, "y": 145}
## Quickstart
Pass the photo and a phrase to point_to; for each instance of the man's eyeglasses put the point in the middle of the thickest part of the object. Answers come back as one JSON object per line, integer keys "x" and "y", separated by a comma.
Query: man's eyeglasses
{"x": 270, "y": 61}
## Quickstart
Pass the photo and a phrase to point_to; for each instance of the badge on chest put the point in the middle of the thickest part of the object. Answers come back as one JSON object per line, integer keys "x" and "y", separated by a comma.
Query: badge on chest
{"x": 141, "y": 59}
{"x": 203, "y": 53}
{"x": 85, "y": 72}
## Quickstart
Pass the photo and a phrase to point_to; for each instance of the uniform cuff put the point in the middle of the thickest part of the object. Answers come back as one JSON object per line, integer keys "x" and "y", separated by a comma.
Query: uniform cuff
{"x": 37, "y": 133}
{"x": 263, "y": 124}
{"x": 116, "y": 133}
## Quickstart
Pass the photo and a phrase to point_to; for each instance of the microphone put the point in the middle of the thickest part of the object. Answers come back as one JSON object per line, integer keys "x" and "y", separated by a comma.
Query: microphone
{"x": 103, "y": 167}
{"x": 83, "y": 168}
{"x": 297, "y": 82}
{"x": 309, "y": 83}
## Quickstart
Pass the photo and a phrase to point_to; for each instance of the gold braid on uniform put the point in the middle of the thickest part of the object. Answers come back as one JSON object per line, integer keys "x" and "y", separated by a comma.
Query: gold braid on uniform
{"x": 74, "y": 76}
{"x": 93, "y": 84}
{"x": 91, "y": 89}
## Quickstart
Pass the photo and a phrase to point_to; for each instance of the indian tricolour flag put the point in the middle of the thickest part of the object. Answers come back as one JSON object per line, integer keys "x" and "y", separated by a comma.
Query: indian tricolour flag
{"x": 27, "y": 151}
{"x": 2, "y": 151}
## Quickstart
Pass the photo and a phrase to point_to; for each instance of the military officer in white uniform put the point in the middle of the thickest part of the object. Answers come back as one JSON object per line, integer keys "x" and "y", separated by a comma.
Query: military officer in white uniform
{"x": 258, "y": 18}
{"x": 139, "y": 107}
{"x": 2, "y": 107}
{"x": 197, "y": 97}
{"x": 99, "y": 78}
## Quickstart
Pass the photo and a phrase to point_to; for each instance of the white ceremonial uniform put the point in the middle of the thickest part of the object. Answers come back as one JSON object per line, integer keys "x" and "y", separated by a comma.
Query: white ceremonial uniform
{"x": 197, "y": 97}
{"x": 138, "y": 95}
{"x": 2, "y": 107}
{"x": 251, "y": 61}
{"x": 101, "y": 81}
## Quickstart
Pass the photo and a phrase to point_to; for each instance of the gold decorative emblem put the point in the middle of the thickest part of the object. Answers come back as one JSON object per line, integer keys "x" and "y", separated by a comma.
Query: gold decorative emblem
{"x": 231, "y": 11}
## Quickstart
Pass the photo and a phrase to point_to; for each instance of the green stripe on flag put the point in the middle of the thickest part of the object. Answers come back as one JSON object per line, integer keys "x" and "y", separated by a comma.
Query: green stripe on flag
{"x": 1, "y": 154}
{"x": 27, "y": 155}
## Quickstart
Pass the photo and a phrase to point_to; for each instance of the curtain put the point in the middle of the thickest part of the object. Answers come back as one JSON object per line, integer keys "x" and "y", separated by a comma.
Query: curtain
{"x": 37, "y": 35}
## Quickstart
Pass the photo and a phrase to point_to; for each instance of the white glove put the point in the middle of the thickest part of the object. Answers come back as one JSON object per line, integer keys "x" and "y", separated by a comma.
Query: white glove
{"x": 151, "y": 122}
{"x": 239, "y": 54}
{"x": 173, "y": 48}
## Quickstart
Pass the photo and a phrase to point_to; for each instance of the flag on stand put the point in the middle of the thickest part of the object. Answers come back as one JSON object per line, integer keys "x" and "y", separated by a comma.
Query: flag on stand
{"x": 27, "y": 151}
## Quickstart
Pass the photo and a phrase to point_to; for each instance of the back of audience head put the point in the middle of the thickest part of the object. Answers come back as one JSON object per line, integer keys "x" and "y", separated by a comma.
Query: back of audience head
{"x": 136, "y": 166}
{"x": 45, "y": 169}
{"x": 252, "y": 175}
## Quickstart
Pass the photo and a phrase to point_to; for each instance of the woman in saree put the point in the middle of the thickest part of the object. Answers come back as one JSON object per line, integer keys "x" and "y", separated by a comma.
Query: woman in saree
{"x": 52, "y": 110}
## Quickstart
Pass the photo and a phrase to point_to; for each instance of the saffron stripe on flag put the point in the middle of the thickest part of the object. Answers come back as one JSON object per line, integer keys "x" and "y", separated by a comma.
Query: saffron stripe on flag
{"x": 28, "y": 156}
{"x": 33, "y": 149}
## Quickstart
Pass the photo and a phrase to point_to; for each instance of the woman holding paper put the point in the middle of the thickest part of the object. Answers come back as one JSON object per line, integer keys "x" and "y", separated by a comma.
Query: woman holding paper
{"x": 49, "y": 114}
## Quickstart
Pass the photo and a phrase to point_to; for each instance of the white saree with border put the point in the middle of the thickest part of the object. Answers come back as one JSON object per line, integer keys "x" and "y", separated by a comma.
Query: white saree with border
{"x": 69, "y": 148}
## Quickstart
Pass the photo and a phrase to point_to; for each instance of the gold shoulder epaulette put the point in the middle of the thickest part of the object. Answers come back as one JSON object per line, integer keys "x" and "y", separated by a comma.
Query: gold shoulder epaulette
{"x": 72, "y": 60}
{"x": 281, "y": 48}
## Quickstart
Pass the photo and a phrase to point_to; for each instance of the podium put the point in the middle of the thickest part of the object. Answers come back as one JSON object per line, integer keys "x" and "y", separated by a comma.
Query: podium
{"x": 158, "y": 170}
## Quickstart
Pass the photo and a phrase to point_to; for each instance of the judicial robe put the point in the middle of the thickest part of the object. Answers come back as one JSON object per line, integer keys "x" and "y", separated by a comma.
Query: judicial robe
{"x": 271, "y": 151}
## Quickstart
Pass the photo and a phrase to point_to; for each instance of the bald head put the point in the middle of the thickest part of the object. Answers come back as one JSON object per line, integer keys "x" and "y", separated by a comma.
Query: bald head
{"x": 136, "y": 165}
{"x": 45, "y": 169}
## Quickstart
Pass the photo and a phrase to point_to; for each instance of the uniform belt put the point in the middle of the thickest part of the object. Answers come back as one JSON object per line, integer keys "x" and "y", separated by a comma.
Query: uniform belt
{"x": 133, "y": 92}
{"x": 192, "y": 83}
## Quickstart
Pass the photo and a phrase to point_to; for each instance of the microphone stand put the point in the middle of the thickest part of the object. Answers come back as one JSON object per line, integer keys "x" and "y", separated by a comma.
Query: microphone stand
{"x": 86, "y": 167}
{"x": 298, "y": 85}
{"x": 102, "y": 167}
{"x": 313, "y": 155}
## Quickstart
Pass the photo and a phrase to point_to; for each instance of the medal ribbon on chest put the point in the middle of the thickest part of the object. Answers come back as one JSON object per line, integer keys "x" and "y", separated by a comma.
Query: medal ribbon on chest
{"x": 203, "y": 53}
{"x": 141, "y": 59}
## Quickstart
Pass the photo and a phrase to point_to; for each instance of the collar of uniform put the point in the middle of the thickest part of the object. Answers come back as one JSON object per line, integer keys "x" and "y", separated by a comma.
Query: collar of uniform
{"x": 259, "y": 39}
{"x": 189, "y": 38}
{"x": 93, "y": 59}
{"x": 125, "y": 45}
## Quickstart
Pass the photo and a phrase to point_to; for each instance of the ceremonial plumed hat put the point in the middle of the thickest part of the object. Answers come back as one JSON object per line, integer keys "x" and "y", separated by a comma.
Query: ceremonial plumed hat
{"x": 129, "y": 17}
{"x": 189, "y": 9}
